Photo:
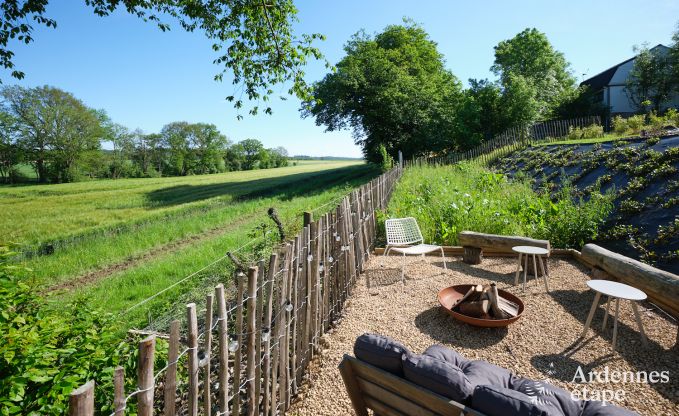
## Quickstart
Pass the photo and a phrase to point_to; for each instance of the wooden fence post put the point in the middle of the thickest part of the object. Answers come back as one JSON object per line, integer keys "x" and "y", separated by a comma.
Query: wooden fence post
{"x": 81, "y": 400}
{"x": 192, "y": 338}
{"x": 266, "y": 363}
{"x": 240, "y": 277}
{"x": 327, "y": 268}
{"x": 308, "y": 284}
{"x": 282, "y": 329}
{"x": 223, "y": 351}
{"x": 294, "y": 293}
{"x": 315, "y": 253}
{"x": 301, "y": 328}
{"x": 259, "y": 311}
{"x": 207, "y": 397}
{"x": 119, "y": 391}
{"x": 145, "y": 380}
{"x": 251, "y": 322}
{"x": 170, "y": 393}
{"x": 308, "y": 218}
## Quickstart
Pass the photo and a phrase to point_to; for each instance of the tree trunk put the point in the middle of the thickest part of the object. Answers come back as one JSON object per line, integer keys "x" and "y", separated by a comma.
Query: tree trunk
{"x": 41, "y": 170}
{"x": 472, "y": 255}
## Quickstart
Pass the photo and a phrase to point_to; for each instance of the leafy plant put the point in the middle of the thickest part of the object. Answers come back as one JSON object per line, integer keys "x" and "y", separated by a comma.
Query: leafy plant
{"x": 620, "y": 125}
{"x": 652, "y": 141}
{"x": 447, "y": 200}
{"x": 635, "y": 123}
{"x": 630, "y": 206}
{"x": 589, "y": 132}
{"x": 45, "y": 354}
{"x": 386, "y": 161}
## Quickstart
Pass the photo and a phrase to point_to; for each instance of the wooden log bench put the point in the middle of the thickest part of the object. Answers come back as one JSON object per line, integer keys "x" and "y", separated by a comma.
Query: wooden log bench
{"x": 474, "y": 243}
{"x": 661, "y": 287}
{"x": 388, "y": 395}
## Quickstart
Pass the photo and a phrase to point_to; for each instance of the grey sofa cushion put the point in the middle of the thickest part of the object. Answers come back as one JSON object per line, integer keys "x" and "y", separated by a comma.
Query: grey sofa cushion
{"x": 484, "y": 373}
{"x": 445, "y": 354}
{"x": 594, "y": 408}
{"x": 438, "y": 376}
{"x": 381, "y": 351}
{"x": 500, "y": 401}
{"x": 549, "y": 394}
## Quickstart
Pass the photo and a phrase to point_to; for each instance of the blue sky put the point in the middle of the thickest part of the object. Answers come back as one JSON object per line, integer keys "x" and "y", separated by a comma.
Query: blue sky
{"x": 146, "y": 78}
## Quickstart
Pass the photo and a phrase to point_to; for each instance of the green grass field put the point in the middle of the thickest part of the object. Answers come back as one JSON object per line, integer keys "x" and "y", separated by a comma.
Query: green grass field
{"x": 39, "y": 213}
{"x": 119, "y": 242}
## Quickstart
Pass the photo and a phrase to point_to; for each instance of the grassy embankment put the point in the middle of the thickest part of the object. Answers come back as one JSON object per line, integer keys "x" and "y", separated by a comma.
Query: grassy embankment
{"x": 643, "y": 175}
{"x": 501, "y": 152}
{"x": 143, "y": 235}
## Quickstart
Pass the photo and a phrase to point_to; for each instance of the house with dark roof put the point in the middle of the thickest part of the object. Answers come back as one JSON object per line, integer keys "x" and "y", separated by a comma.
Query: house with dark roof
{"x": 609, "y": 86}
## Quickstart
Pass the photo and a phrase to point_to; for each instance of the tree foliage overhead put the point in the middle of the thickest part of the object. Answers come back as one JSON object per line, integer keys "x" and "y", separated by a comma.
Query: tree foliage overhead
{"x": 390, "y": 89}
{"x": 529, "y": 60}
{"x": 253, "y": 39}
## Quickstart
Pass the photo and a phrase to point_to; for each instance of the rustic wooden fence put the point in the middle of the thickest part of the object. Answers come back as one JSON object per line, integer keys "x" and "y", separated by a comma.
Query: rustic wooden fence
{"x": 249, "y": 354}
{"x": 514, "y": 139}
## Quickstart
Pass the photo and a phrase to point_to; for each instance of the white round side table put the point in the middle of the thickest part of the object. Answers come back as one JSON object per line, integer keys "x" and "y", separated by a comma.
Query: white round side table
{"x": 525, "y": 252}
{"x": 616, "y": 291}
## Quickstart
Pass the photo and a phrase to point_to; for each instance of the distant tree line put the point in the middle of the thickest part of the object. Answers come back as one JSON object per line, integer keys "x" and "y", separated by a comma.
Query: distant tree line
{"x": 307, "y": 157}
{"x": 393, "y": 90}
{"x": 61, "y": 139}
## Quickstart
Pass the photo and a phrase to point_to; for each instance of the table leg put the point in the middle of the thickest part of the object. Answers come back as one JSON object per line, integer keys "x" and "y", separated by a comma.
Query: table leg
{"x": 535, "y": 269}
{"x": 403, "y": 267}
{"x": 591, "y": 314}
{"x": 518, "y": 272}
{"x": 542, "y": 270}
{"x": 615, "y": 323}
{"x": 608, "y": 308}
{"x": 637, "y": 316}
{"x": 525, "y": 270}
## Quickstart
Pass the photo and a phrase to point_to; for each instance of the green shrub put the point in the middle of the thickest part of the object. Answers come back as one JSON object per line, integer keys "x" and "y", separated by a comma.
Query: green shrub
{"x": 386, "y": 161}
{"x": 447, "y": 200}
{"x": 575, "y": 223}
{"x": 636, "y": 123}
{"x": 620, "y": 125}
{"x": 672, "y": 117}
{"x": 45, "y": 354}
{"x": 652, "y": 141}
{"x": 590, "y": 132}
{"x": 656, "y": 122}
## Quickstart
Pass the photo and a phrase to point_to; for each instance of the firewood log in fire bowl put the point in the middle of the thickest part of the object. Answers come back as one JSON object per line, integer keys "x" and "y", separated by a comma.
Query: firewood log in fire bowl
{"x": 479, "y": 305}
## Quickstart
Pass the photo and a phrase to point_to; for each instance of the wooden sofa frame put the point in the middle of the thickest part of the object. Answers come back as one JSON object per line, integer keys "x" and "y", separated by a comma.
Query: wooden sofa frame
{"x": 388, "y": 395}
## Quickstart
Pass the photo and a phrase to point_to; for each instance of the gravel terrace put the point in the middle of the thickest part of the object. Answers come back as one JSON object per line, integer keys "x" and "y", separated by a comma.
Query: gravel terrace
{"x": 539, "y": 346}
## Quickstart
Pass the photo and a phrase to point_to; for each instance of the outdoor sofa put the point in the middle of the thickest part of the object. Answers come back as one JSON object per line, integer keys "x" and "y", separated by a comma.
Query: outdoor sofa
{"x": 387, "y": 378}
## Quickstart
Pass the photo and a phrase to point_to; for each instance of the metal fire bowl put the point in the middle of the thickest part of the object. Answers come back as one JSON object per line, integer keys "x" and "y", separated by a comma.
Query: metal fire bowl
{"x": 449, "y": 295}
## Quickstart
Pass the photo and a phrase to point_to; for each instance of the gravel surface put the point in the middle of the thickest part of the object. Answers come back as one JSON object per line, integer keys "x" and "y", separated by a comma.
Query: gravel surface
{"x": 541, "y": 345}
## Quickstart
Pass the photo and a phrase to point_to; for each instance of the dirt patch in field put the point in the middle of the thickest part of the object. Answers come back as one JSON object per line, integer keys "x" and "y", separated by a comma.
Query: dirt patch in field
{"x": 541, "y": 345}
{"x": 132, "y": 261}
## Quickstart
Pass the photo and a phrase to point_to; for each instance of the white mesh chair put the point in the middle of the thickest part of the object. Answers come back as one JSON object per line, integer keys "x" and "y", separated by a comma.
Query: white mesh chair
{"x": 403, "y": 234}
